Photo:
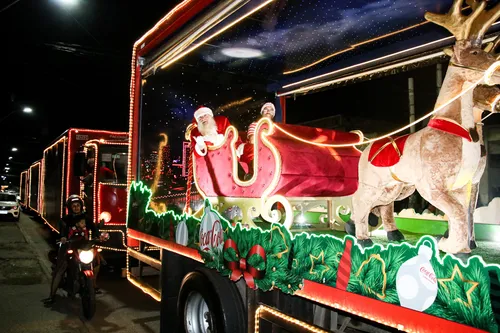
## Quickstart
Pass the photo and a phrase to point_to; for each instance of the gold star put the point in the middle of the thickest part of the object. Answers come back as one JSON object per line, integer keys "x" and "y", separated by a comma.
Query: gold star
{"x": 313, "y": 258}
{"x": 456, "y": 270}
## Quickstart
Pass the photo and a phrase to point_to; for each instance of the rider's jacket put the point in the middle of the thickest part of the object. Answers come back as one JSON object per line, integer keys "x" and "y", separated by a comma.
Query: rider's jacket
{"x": 68, "y": 222}
{"x": 78, "y": 234}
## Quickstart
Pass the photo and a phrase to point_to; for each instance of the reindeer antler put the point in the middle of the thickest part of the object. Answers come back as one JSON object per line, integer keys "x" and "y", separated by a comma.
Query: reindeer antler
{"x": 455, "y": 22}
{"x": 484, "y": 20}
{"x": 491, "y": 47}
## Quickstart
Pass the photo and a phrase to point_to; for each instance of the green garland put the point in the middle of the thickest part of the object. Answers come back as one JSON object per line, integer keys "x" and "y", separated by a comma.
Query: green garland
{"x": 316, "y": 257}
{"x": 290, "y": 259}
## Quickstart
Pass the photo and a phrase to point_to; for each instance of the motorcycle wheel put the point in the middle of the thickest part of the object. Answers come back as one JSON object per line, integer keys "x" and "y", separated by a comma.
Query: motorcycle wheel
{"x": 88, "y": 297}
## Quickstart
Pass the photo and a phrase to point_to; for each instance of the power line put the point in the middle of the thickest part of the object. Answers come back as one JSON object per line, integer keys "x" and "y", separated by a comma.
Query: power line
{"x": 8, "y": 6}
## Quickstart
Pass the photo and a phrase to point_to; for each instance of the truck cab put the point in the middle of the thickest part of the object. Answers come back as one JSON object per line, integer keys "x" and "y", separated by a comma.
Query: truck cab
{"x": 104, "y": 181}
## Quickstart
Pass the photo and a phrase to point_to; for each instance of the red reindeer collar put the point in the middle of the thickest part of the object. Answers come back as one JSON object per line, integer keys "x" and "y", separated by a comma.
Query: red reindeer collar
{"x": 451, "y": 127}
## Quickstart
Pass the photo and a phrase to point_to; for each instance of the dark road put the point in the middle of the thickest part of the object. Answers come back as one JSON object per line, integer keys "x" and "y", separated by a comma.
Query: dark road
{"x": 24, "y": 282}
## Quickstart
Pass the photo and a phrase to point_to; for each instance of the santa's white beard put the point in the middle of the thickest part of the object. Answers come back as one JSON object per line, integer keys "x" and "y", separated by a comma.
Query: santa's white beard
{"x": 210, "y": 128}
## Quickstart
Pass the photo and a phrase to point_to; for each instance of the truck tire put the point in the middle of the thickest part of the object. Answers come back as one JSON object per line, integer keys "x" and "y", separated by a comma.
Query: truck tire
{"x": 209, "y": 302}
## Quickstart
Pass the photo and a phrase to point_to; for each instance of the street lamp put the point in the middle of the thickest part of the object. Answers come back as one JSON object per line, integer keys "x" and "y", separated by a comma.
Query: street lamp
{"x": 10, "y": 157}
{"x": 14, "y": 149}
{"x": 68, "y": 2}
{"x": 25, "y": 110}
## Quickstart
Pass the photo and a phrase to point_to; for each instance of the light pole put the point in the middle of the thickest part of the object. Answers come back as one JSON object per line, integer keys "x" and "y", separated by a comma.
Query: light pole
{"x": 25, "y": 110}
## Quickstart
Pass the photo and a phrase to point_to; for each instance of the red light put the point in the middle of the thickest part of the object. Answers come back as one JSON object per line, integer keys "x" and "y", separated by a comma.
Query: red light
{"x": 70, "y": 251}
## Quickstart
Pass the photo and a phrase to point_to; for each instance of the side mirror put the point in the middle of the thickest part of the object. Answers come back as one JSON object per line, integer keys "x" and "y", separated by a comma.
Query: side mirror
{"x": 79, "y": 164}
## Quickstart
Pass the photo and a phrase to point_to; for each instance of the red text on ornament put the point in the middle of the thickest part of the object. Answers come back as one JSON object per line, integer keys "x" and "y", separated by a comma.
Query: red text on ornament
{"x": 431, "y": 277}
{"x": 212, "y": 238}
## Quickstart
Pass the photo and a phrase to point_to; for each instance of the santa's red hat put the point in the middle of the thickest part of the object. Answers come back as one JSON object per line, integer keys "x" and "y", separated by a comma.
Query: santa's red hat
{"x": 201, "y": 112}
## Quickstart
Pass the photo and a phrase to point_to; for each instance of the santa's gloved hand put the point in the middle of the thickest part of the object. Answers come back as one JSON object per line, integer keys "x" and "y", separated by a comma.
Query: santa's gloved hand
{"x": 239, "y": 150}
{"x": 201, "y": 146}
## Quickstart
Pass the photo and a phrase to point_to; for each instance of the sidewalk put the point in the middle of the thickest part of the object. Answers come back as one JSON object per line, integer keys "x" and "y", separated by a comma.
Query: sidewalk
{"x": 24, "y": 281}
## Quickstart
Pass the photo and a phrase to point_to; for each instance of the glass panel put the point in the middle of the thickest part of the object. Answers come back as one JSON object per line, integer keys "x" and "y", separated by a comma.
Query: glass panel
{"x": 169, "y": 100}
{"x": 113, "y": 164}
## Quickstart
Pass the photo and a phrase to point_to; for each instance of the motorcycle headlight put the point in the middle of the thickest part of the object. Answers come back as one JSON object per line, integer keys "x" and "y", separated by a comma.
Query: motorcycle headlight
{"x": 86, "y": 256}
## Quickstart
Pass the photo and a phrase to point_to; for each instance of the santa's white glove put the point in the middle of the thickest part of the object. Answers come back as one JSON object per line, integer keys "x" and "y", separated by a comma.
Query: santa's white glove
{"x": 239, "y": 150}
{"x": 201, "y": 146}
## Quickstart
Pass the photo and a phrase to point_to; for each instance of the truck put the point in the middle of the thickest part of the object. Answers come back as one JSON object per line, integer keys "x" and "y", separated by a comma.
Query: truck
{"x": 23, "y": 190}
{"x": 275, "y": 252}
{"x": 90, "y": 163}
{"x": 33, "y": 182}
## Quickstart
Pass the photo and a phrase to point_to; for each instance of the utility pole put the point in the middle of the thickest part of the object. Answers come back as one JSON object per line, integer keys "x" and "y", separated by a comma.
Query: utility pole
{"x": 411, "y": 99}
{"x": 413, "y": 200}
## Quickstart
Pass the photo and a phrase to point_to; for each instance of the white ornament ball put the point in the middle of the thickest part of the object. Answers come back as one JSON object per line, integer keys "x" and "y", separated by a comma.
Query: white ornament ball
{"x": 416, "y": 281}
{"x": 211, "y": 233}
{"x": 181, "y": 234}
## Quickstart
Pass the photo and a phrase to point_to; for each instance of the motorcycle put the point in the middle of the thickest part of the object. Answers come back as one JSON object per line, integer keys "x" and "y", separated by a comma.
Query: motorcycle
{"x": 79, "y": 276}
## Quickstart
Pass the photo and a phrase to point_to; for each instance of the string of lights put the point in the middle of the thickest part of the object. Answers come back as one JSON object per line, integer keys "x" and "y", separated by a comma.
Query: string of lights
{"x": 486, "y": 78}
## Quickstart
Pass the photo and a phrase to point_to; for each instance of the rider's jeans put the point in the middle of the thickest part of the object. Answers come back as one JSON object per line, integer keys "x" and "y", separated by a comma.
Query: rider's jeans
{"x": 61, "y": 266}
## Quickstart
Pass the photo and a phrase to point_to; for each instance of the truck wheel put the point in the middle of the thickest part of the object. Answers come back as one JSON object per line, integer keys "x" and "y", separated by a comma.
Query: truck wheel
{"x": 210, "y": 303}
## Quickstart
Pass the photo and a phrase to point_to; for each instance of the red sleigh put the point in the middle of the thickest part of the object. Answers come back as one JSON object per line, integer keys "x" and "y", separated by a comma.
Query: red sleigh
{"x": 291, "y": 168}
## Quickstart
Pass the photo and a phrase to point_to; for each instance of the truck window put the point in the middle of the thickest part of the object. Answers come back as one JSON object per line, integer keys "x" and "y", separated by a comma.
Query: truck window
{"x": 167, "y": 109}
{"x": 113, "y": 164}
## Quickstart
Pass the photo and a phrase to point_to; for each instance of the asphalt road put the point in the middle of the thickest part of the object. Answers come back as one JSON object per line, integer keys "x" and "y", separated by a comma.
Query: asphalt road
{"x": 24, "y": 282}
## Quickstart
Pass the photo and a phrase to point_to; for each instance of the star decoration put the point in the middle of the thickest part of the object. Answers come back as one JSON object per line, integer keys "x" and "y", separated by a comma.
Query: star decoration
{"x": 456, "y": 270}
{"x": 313, "y": 259}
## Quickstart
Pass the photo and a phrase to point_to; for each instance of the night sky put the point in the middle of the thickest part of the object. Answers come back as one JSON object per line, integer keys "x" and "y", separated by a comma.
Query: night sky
{"x": 71, "y": 64}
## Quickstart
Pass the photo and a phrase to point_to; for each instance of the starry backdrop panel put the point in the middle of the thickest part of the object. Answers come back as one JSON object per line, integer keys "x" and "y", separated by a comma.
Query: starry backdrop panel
{"x": 237, "y": 71}
{"x": 294, "y": 38}
{"x": 169, "y": 100}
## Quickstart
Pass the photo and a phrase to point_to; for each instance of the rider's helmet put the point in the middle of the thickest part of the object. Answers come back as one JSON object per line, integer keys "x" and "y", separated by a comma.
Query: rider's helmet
{"x": 72, "y": 199}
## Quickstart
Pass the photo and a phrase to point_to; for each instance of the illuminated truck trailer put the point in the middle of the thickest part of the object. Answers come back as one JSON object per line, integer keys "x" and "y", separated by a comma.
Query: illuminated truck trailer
{"x": 254, "y": 223}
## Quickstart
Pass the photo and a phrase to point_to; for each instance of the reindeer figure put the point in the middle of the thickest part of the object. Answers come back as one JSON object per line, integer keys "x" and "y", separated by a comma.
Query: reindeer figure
{"x": 484, "y": 99}
{"x": 443, "y": 160}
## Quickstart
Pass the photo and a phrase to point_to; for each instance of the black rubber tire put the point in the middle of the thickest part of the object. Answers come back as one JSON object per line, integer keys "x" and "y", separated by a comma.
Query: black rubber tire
{"x": 88, "y": 297}
{"x": 222, "y": 297}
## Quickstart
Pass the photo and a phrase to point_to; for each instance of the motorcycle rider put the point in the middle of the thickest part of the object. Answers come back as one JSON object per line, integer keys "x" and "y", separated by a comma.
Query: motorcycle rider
{"x": 76, "y": 213}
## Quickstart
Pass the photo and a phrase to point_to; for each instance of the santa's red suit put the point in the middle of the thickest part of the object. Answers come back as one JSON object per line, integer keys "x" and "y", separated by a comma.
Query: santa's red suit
{"x": 211, "y": 140}
{"x": 248, "y": 148}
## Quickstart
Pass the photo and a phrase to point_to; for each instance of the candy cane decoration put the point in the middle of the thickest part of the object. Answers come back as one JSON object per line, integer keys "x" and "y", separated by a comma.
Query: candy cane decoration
{"x": 187, "y": 208}
{"x": 344, "y": 270}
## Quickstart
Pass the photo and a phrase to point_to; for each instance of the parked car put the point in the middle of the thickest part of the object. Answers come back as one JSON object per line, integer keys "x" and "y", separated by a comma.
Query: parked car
{"x": 9, "y": 206}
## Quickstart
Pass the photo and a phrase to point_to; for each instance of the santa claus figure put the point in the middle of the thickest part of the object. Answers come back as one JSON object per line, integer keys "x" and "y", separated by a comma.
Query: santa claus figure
{"x": 209, "y": 131}
{"x": 247, "y": 149}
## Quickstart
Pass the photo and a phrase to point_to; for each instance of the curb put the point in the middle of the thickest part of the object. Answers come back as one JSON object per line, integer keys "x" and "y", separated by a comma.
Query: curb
{"x": 44, "y": 262}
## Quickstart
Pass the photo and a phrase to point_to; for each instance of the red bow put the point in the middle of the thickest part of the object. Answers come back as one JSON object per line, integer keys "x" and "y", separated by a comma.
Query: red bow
{"x": 241, "y": 267}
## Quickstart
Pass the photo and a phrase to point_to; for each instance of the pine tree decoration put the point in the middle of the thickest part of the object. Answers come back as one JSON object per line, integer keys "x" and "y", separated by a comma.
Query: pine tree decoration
{"x": 316, "y": 258}
{"x": 267, "y": 259}
{"x": 495, "y": 292}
